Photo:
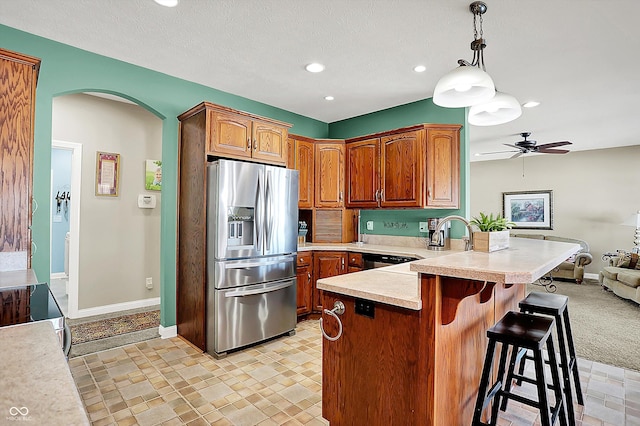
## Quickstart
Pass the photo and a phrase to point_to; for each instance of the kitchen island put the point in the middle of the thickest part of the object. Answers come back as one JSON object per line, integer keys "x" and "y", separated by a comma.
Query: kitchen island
{"x": 414, "y": 336}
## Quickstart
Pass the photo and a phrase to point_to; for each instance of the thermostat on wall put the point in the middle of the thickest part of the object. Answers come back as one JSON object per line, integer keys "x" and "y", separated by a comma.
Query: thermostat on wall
{"x": 146, "y": 201}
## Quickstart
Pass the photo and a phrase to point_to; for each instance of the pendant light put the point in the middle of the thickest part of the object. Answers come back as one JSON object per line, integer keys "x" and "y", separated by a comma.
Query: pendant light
{"x": 469, "y": 84}
{"x": 500, "y": 109}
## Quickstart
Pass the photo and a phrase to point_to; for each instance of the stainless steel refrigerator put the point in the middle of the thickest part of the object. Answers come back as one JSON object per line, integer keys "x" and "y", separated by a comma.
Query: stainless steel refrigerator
{"x": 252, "y": 219}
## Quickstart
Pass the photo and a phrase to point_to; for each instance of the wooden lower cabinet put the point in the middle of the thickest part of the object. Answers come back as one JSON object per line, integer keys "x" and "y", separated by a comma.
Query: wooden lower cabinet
{"x": 306, "y": 284}
{"x": 327, "y": 264}
{"x": 355, "y": 263}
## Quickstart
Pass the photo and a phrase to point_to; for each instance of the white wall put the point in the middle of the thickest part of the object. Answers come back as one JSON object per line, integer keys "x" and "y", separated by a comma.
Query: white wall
{"x": 119, "y": 243}
{"x": 593, "y": 193}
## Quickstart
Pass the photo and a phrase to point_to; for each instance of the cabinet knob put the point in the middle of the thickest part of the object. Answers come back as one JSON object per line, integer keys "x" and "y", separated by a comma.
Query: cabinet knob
{"x": 255, "y": 145}
{"x": 248, "y": 143}
{"x": 309, "y": 276}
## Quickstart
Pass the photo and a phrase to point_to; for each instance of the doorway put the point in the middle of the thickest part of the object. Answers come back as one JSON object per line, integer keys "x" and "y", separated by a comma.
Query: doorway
{"x": 66, "y": 165}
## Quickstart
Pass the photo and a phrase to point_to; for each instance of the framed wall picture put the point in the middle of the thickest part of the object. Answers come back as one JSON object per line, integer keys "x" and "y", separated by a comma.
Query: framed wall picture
{"x": 107, "y": 174}
{"x": 529, "y": 209}
{"x": 153, "y": 175}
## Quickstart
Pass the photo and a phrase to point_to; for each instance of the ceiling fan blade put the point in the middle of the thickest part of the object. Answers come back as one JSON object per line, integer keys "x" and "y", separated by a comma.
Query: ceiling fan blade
{"x": 554, "y": 144}
{"x": 516, "y": 155}
{"x": 553, "y": 151}
{"x": 512, "y": 146}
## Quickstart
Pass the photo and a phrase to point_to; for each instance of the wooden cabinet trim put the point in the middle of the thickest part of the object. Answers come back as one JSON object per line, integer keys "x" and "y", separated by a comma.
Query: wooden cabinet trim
{"x": 220, "y": 108}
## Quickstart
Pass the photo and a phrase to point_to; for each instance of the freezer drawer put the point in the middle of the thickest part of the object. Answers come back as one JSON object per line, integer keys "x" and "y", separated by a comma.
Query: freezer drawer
{"x": 245, "y": 315}
{"x": 243, "y": 272}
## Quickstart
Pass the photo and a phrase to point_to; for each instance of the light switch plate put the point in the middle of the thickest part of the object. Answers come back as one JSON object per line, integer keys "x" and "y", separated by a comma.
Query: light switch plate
{"x": 424, "y": 227}
{"x": 369, "y": 225}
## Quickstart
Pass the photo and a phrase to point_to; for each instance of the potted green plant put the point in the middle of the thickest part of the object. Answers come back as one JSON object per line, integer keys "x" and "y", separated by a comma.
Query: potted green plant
{"x": 493, "y": 232}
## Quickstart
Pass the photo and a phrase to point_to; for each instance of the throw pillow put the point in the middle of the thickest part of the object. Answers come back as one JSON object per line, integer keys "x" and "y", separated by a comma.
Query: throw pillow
{"x": 629, "y": 260}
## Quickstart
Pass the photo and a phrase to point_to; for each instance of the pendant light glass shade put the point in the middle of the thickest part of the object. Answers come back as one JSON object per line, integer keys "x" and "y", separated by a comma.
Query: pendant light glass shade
{"x": 462, "y": 87}
{"x": 502, "y": 108}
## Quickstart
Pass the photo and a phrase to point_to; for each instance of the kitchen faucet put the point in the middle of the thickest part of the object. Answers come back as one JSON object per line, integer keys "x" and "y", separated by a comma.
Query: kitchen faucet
{"x": 436, "y": 234}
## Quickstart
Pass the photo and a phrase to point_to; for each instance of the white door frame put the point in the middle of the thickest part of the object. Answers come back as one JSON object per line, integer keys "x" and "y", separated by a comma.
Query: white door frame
{"x": 74, "y": 221}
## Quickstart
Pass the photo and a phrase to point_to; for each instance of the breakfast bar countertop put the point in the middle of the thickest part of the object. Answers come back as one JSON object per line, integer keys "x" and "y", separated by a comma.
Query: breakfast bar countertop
{"x": 523, "y": 262}
{"x": 37, "y": 384}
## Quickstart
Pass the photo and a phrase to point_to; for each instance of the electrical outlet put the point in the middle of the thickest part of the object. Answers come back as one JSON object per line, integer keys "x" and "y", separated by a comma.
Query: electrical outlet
{"x": 149, "y": 283}
{"x": 369, "y": 225}
{"x": 424, "y": 227}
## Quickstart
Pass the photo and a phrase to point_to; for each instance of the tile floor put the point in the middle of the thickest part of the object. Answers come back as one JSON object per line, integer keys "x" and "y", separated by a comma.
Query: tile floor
{"x": 167, "y": 382}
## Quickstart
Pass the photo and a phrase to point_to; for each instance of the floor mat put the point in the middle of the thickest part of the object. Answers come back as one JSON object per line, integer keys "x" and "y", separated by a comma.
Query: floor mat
{"x": 96, "y": 330}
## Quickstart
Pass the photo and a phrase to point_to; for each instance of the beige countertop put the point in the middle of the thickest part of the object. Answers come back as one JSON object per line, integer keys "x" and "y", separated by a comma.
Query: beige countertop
{"x": 523, "y": 262}
{"x": 37, "y": 386}
{"x": 17, "y": 278}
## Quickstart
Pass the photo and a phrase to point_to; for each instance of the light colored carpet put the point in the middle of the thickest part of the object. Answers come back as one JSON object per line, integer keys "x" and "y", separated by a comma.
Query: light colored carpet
{"x": 606, "y": 328}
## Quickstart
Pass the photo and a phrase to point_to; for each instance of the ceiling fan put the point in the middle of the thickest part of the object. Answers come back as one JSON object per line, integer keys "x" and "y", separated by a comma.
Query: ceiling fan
{"x": 526, "y": 146}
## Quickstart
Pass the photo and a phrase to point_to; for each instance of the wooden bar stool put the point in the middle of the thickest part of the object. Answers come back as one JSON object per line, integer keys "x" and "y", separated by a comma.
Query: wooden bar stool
{"x": 554, "y": 305}
{"x": 514, "y": 331}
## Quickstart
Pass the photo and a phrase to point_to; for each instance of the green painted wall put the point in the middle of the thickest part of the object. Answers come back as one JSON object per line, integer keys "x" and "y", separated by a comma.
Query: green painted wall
{"x": 66, "y": 69}
{"x": 406, "y": 222}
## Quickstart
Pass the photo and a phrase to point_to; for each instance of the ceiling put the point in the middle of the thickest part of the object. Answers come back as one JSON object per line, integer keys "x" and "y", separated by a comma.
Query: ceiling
{"x": 570, "y": 55}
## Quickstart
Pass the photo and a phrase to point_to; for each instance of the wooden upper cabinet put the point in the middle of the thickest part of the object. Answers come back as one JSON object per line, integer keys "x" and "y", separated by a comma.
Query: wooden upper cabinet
{"x": 230, "y": 134}
{"x": 363, "y": 174}
{"x": 417, "y": 166}
{"x": 269, "y": 142}
{"x": 329, "y": 174}
{"x": 402, "y": 165}
{"x": 18, "y": 76}
{"x": 236, "y": 134}
{"x": 305, "y": 165}
{"x": 291, "y": 153}
{"x": 443, "y": 167}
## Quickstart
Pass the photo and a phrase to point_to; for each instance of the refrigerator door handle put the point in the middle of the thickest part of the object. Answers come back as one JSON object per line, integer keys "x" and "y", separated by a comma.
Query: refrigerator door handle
{"x": 259, "y": 216}
{"x": 268, "y": 210}
{"x": 268, "y": 289}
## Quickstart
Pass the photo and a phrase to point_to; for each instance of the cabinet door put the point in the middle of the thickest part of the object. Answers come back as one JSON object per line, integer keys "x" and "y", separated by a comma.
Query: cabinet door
{"x": 329, "y": 173}
{"x": 305, "y": 289}
{"x": 269, "y": 143}
{"x": 363, "y": 173}
{"x": 327, "y": 264}
{"x": 230, "y": 134}
{"x": 304, "y": 164}
{"x": 443, "y": 167}
{"x": 356, "y": 263}
{"x": 291, "y": 153}
{"x": 18, "y": 75}
{"x": 402, "y": 164}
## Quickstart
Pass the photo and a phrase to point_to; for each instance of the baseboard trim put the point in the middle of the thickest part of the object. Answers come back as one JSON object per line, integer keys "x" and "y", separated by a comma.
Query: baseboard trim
{"x": 591, "y": 276}
{"x": 168, "y": 332}
{"x": 116, "y": 307}
{"x": 58, "y": 275}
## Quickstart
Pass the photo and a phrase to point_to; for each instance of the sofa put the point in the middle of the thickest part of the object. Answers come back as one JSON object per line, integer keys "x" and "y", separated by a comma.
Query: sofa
{"x": 572, "y": 268}
{"x": 622, "y": 276}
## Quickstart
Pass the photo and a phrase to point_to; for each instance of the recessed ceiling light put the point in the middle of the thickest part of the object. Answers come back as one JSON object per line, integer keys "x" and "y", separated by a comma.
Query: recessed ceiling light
{"x": 531, "y": 104}
{"x": 328, "y": 98}
{"x": 419, "y": 68}
{"x": 315, "y": 67}
{"x": 167, "y": 3}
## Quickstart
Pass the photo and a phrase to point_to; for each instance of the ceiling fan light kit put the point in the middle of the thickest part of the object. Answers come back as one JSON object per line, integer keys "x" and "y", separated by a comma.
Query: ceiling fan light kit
{"x": 502, "y": 108}
{"x": 469, "y": 85}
